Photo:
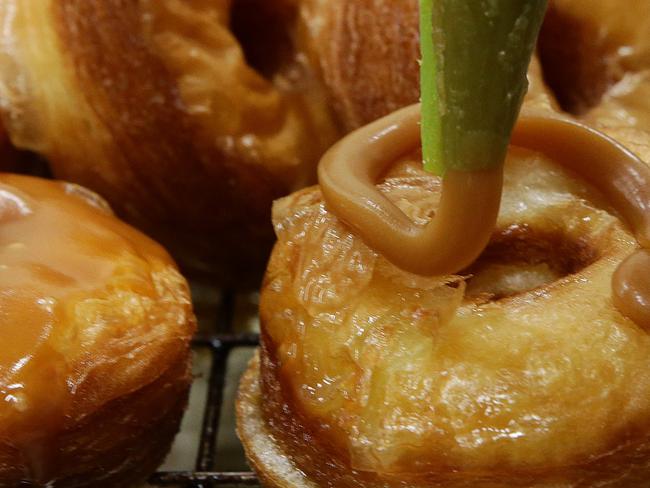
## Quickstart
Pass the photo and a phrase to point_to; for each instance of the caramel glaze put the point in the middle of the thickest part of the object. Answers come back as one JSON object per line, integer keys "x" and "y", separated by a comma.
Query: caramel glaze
{"x": 79, "y": 290}
{"x": 470, "y": 200}
{"x": 443, "y": 246}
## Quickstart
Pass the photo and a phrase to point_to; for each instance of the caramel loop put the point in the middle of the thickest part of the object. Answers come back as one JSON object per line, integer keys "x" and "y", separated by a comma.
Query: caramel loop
{"x": 463, "y": 224}
{"x": 470, "y": 200}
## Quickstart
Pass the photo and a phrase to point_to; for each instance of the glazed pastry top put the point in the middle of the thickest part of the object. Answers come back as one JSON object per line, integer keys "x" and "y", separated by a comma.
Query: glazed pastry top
{"x": 89, "y": 307}
{"x": 402, "y": 373}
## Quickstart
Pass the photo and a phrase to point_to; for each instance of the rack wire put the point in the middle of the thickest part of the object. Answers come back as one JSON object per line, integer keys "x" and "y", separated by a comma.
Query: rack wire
{"x": 219, "y": 342}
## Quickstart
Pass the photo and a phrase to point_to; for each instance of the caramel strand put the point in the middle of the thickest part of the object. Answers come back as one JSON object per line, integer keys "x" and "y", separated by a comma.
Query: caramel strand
{"x": 470, "y": 200}
{"x": 347, "y": 175}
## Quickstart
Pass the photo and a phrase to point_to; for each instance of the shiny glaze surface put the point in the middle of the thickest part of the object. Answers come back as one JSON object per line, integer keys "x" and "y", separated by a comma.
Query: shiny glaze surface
{"x": 624, "y": 180}
{"x": 90, "y": 310}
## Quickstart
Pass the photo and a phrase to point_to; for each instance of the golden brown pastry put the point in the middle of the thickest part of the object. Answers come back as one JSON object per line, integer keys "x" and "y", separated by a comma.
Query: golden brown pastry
{"x": 189, "y": 116}
{"x": 95, "y": 325}
{"x": 520, "y": 371}
{"x": 528, "y": 368}
{"x": 367, "y": 52}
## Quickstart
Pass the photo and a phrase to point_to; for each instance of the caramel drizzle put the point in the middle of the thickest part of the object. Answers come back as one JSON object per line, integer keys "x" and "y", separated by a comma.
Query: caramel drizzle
{"x": 442, "y": 247}
{"x": 470, "y": 201}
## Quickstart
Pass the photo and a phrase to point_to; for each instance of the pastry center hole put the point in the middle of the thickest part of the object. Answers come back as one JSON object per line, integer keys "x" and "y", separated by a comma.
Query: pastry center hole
{"x": 520, "y": 259}
{"x": 578, "y": 64}
{"x": 263, "y": 29}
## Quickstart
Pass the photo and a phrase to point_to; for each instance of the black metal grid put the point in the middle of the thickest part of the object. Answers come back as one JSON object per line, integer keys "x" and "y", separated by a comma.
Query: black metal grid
{"x": 219, "y": 343}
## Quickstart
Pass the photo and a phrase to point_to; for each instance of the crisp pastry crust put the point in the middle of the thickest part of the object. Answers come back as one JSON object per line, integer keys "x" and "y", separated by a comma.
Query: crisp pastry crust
{"x": 268, "y": 456}
{"x": 275, "y": 456}
{"x": 95, "y": 327}
{"x": 154, "y": 105}
{"x": 600, "y": 70}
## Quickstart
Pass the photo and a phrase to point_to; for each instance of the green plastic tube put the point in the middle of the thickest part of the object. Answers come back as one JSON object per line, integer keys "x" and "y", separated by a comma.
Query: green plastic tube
{"x": 475, "y": 55}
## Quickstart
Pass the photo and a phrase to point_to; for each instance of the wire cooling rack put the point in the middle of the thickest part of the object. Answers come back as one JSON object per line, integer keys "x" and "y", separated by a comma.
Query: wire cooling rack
{"x": 219, "y": 343}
